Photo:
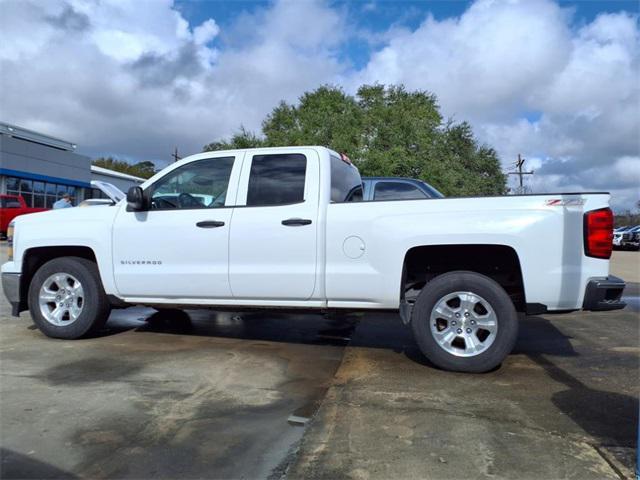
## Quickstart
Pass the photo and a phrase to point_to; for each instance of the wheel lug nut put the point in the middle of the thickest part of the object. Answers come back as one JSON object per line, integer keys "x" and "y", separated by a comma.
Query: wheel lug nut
{"x": 454, "y": 322}
{"x": 459, "y": 330}
{"x": 468, "y": 330}
{"x": 457, "y": 315}
{"x": 466, "y": 314}
{"x": 473, "y": 322}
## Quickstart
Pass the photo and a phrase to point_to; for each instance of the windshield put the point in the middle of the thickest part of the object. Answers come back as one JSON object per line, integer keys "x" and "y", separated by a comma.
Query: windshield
{"x": 431, "y": 191}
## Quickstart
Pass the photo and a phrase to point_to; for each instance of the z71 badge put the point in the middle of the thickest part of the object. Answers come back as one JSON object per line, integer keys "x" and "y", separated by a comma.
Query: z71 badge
{"x": 569, "y": 202}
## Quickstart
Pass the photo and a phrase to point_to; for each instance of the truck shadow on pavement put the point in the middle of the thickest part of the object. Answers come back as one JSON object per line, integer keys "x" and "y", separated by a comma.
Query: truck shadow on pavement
{"x": 610, "y": 418}
{"x": 17, "y": 465}
{"x": 301, "y": 328}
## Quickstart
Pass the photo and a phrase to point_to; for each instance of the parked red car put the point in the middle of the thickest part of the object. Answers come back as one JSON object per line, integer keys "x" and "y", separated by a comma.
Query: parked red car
{"x": 12, "y": 206}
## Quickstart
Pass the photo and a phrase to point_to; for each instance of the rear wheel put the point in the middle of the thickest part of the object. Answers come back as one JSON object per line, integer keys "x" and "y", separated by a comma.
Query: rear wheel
{"x": 66, "y": 298}
{"x": 465, "y": 322}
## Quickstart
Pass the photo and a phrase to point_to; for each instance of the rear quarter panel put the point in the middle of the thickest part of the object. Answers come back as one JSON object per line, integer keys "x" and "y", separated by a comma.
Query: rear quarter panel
{"x": 548, "y": 240}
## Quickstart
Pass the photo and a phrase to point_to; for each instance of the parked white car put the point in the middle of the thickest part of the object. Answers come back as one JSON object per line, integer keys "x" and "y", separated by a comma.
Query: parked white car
{"x": 287, "y": 228}
{"x": 630, "y": 238}
{"x": 617, "y": 235}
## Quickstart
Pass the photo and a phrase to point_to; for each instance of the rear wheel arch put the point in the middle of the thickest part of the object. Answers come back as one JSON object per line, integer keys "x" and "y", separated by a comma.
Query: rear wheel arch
{"x": 501, "y": 263}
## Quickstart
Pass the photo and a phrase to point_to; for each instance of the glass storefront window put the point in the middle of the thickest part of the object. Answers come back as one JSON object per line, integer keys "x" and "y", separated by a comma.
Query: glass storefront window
{"x": 13, "y": 184}
{"x": 40, "y": 194}
{"x": 26, "y": 185}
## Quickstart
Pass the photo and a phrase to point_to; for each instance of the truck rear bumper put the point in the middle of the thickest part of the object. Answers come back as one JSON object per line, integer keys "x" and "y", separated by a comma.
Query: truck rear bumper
{"x": 604, "y": 294}
{"x": 11, "y": 289}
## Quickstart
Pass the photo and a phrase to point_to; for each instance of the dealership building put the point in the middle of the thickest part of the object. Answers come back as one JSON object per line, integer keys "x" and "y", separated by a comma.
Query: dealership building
{"x": 42, "y": 168}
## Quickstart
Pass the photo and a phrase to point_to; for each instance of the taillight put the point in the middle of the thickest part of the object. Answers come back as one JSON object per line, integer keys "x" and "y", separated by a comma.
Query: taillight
{"x": 598, "y": 233}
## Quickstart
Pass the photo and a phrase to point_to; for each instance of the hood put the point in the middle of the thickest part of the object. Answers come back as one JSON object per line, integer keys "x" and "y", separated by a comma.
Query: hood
{"x": 111, "y": 191}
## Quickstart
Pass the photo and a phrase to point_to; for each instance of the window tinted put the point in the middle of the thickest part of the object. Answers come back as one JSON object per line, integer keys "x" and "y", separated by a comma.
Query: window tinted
{"x": 346, "y": 184}
{"x": 397, "y": 191}
{"x": 431, "y": 191}
{"x": 201, "y": 184}
{"x": 276, "y": 179}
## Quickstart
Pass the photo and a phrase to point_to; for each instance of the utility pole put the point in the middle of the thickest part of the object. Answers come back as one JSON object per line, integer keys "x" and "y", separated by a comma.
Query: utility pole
{"x": 175, "y": 155}
{"x": 520, "y": 173}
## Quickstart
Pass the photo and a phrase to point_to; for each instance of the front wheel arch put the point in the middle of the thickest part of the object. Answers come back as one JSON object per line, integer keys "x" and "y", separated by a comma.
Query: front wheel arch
{"x": 34, "y": 258}
{"x": 91, "y": 314}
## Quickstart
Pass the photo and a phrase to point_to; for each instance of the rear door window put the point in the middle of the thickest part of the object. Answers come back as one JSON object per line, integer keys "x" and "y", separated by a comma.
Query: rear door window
{"x": 276, "y": 179}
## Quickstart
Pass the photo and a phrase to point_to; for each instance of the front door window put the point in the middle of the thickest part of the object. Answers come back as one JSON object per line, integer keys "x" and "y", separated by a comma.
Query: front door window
{"x": 200, "y": 184}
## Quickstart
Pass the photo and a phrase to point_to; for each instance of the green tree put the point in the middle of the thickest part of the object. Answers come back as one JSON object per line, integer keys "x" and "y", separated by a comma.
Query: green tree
{"x": 386, "y": 131}
{"x": 144, "y": 169}
{"x": 241, "y": 139}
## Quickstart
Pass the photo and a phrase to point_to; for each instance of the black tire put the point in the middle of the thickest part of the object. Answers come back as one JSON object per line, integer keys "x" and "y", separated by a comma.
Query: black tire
{"x": 95, "y": 309}
{"x": 491, "y": 292}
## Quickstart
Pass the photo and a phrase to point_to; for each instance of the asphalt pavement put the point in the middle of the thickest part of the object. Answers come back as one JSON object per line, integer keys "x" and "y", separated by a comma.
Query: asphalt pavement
{"x": 271, "y": 395}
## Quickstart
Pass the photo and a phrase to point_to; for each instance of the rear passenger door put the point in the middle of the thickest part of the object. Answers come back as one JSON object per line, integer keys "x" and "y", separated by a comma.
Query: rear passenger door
{"x": 272, "y": 244}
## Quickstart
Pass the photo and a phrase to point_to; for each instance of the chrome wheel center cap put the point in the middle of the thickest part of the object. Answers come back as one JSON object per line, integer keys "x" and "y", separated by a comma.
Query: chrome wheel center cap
{"x": 463, "y": 324}
{"x": 61, "y": 299}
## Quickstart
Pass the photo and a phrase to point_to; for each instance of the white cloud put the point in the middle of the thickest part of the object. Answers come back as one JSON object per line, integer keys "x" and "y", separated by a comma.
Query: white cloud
{"x": 136, "y": 79}
{"x": 531, "y": 83}
{"x": 206, "y": 32}
{"x": 480, "y": 64}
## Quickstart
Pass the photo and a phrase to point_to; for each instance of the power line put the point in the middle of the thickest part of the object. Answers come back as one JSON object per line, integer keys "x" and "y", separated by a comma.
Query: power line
{"x": 519, "y": 164}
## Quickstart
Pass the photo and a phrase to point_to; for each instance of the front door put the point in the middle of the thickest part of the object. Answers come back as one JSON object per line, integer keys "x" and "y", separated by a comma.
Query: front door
{"x": 274, "y": 227}
{"x": 179, "y": 248}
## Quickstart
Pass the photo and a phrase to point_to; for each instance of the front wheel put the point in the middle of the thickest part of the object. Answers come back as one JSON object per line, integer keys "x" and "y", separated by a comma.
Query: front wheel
{"x": 464, "y": 322}
{"x": 66, "y": 298}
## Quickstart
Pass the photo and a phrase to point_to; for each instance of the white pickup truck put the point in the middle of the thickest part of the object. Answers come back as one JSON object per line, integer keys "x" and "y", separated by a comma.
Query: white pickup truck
{"x": 287, "y": 228}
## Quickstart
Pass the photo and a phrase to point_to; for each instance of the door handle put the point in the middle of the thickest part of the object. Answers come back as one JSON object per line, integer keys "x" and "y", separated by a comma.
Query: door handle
{"x": 296, "y": 222}
{"x": 210, "y": 224}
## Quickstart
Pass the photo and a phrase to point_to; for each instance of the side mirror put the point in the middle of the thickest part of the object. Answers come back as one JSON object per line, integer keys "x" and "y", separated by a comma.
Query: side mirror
{"x": 135, "y": 199}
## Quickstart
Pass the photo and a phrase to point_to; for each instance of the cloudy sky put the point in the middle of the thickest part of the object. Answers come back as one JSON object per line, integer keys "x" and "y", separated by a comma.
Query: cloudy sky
{"x": 557, "y": 82}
